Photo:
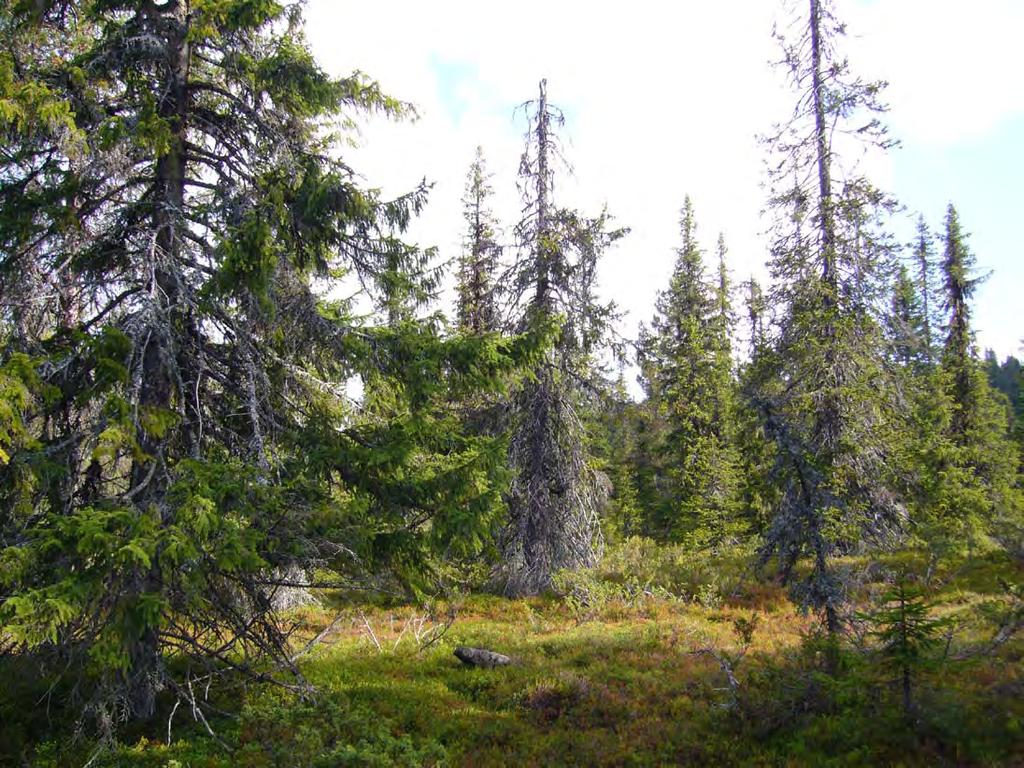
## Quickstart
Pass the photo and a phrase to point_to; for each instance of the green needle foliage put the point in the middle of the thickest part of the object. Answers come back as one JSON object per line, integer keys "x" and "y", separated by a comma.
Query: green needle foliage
{"x": 687, "y": 369}
{"x": 956, "y": 452}
{"x": 555, "y": 494}
{"x": 478, "y": 263}
{"x": 176, "y": 439}
{"x": 820, "y": 387}
{"x": 908, "y": 637}
{"x": 196, "y": 431}
{"x": 907, "y": 323}
{"x": 924, "y": 259}
{"x": 978, "y": 429}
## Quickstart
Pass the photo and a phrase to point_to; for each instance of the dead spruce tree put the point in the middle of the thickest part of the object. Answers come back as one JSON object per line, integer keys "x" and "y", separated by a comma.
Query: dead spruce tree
{"x": 554, "y": 494}
{"x": 820, "y": 387}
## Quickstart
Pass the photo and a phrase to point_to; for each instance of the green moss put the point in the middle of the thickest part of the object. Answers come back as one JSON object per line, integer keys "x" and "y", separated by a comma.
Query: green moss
{"x": 617, "y": 688}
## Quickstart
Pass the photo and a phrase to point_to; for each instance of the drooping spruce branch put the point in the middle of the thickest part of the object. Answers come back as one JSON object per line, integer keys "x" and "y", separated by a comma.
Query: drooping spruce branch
{"x": 554, "y": 495}
{"x": 177, "y": 439}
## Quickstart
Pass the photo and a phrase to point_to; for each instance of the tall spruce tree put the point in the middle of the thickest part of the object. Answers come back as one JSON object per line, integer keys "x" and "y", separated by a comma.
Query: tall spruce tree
{"x": 724, "y": 315}
{"x": 907, "y": 325}
{"x": 723, "y": 328}
{"x": 958, "y": 355}
{"x": 820, "y": 389}
{"x": 177, "y": 436}
{"x": 754, "y": 302}
{"x": 650, "y": 436}
{"x": 689, "y": 365}
{"x": 924, "y": 258}
{"x": 978, "y": 426}
{"x": 955, "y": 454}
{"x": 723, "y": 522}
{"x": 555, "y": 495}
{"x": 758, "y": 494}
{"x": 477, "y": 312}
{"x": 1004, "y": 377}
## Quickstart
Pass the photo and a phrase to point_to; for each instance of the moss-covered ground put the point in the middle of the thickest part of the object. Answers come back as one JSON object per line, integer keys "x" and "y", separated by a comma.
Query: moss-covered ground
{"x": 604, "y": 675}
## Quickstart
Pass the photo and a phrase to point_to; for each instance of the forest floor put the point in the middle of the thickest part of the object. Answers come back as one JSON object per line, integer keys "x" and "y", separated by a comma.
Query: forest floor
{"x": 614, "y": 674}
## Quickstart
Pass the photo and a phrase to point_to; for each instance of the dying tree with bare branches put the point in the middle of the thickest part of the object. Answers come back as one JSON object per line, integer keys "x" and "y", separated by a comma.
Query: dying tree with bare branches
{"x": 555, "y": 494}
{"x": 819, "y": 388}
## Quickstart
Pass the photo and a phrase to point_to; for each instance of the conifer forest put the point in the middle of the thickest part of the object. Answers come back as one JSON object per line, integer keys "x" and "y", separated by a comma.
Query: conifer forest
{"x": 280, "y": 486}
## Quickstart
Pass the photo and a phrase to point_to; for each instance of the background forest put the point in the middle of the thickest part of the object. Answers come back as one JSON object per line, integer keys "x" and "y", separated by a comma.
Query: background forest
{"x": 257, "y": 483}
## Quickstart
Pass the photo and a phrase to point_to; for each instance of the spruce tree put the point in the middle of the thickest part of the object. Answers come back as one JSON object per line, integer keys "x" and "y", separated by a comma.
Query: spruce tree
{"x": 690, "y": 365}
{"x": 651, "y": 427}
{"x": 958, "y": 357}
{"x": 907, "y": 326}
{"x": 981, "y": 450}
{"x": 177, "y": 439}
{"x": 955, "y": 453}
{"x": 722, "y": 329}
{"x": 924, "y": 259}
{"x": 820, "y": 389}
{"x": 477, "y": 311}
{"x": 908, "y": 637}
{"x": 723, "y": 524}
{"x": 754, "y": 302}
{"x": 555, "y": 496}
{"x": 677, "y": 361}
{"x": 757, "y": 451}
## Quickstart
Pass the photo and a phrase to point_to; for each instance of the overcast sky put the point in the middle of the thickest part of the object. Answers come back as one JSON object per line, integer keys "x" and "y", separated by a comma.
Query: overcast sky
{"x": 665, "y": 99}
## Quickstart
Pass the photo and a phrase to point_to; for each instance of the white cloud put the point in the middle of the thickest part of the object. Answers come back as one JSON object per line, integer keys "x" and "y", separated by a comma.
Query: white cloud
{"x": 954, "y": 68}
{"x": 662, "y": 100}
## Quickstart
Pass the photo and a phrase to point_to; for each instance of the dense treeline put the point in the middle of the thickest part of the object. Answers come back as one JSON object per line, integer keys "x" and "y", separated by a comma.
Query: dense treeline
{"x": 181, "y": 449}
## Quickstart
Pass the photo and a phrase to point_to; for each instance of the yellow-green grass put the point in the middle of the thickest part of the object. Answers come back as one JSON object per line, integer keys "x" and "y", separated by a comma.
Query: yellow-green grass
{"x": 613, "y": 682}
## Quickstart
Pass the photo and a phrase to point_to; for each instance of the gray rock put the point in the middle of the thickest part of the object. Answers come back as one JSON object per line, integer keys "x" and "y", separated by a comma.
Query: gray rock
{"x": 481, "y": 657}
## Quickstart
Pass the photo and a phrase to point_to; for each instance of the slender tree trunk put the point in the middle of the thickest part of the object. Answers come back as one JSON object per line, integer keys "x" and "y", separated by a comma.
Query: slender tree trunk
{"x": 828, "y": 415}
{"x": 536, "y": 533}
{"x": 479, "y": 322}
{"x": 150, "y": 476}
{"x": 922, "y": 255}
{"x": 826, "y": 213}
{"x": 542, "y": 298}
{"x": 908, "y": 702}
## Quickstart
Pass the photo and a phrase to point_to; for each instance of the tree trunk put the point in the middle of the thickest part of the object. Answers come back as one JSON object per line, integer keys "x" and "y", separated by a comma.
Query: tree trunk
{"x": 829, "y": 416}
{"x": 826, "y": 212}
{"x": 542, "y": 298}
{"x": 150, "y": 476}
